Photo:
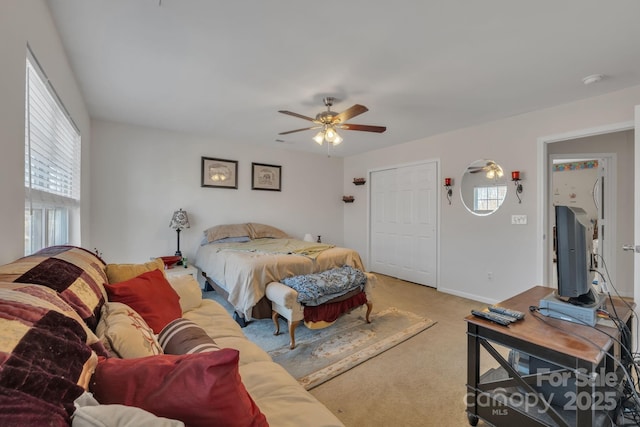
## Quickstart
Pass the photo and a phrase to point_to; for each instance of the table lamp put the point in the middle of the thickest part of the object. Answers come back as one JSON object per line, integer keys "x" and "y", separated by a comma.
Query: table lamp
{"x": 179, "y": 221}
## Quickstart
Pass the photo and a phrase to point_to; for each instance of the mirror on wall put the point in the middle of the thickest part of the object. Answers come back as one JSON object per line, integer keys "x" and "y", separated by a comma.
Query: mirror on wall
{"x": 483, "y": 187}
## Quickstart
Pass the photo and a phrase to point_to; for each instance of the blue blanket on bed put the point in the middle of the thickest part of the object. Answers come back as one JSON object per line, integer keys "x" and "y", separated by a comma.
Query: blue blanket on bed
{"x": 318, "y": 288}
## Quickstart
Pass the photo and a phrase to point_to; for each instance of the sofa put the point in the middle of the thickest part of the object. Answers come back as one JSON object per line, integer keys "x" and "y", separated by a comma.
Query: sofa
{"x": 86, "y": 343}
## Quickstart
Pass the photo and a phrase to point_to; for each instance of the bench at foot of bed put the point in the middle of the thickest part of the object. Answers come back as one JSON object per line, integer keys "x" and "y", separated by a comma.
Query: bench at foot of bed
{"x": 284, "y": 302}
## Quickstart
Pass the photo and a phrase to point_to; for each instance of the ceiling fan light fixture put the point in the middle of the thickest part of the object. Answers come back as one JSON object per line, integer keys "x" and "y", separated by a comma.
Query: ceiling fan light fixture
{"x": 330, "y": 134}
{"x": 329, "y": 121}
{"x": 495, "y": 171}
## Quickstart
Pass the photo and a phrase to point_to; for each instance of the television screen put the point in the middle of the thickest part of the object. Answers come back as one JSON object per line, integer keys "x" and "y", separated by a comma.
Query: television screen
{"x": 573, "y": 255}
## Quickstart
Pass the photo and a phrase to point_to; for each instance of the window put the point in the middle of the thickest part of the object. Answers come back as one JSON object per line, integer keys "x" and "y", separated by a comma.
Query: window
{"x": 488, "y": 198}
{"x": 52, "y": 164}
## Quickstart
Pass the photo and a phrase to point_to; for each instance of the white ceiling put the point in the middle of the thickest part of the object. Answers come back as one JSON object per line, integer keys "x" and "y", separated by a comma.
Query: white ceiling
{"x": 422, "y": 67}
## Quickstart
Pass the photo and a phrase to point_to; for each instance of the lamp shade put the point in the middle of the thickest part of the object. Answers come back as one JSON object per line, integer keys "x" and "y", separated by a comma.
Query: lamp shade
{"x": 179, "y": 220}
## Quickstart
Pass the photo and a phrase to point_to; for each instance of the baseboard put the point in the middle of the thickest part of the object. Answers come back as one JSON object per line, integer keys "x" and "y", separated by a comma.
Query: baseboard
{"x": 466, "y": 295}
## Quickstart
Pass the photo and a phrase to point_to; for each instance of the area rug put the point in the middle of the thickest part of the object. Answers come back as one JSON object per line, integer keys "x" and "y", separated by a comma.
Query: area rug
{"x": 322, "y": 354}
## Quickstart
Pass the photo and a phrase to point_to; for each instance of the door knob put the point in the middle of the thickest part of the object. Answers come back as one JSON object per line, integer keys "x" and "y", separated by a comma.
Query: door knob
{"x": 631, "y": 248}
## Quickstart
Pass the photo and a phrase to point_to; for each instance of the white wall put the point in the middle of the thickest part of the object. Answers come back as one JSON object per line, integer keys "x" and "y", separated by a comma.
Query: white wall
{"x": 141, "y": 176}
{"x": 21, "y": 23}
{"x": 471, "y": 246}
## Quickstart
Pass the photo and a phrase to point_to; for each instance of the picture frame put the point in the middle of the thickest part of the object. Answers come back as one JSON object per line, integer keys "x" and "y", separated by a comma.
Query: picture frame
{"x": 266, "y": 177}
{"x": 219, "y": 173}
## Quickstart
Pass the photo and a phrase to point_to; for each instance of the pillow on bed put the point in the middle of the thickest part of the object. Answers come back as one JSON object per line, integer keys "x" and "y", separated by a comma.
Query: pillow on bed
{"x": 261, "y": 231}
{"x": 242, "y": 239}
{"x": 225, "y": 231}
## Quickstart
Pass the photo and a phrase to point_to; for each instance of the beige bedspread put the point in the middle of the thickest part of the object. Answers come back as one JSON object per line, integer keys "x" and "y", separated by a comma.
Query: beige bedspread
{"x": 245, "y": 269}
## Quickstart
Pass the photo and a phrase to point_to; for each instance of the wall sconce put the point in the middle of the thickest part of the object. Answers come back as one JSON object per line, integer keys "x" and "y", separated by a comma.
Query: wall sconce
{"x": 515, "y": 177}
{"x": 448, "y": 183}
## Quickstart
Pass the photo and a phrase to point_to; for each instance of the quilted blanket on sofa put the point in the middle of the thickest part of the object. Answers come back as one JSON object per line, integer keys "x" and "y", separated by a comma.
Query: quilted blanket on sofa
{"x": 74, "y": 273}
{"x": 44, "y": 359}
{"x": 318, "y": 288}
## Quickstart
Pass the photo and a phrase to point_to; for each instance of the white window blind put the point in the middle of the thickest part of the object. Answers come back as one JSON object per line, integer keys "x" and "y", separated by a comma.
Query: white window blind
{"x": 52, "y": 163}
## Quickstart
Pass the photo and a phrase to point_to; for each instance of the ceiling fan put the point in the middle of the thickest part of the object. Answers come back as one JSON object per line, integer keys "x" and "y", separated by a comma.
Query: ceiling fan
{"x": 329, "y": 121}
{"x": 492, "y": 169}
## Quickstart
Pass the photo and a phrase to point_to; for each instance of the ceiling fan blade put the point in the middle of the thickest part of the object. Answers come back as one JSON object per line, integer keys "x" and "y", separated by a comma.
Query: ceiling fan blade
{"x": 290, "y": 113}
{"x": 299, "y": 130}
{"x": 356, "y": 110}
{"x": 366, "y": 128}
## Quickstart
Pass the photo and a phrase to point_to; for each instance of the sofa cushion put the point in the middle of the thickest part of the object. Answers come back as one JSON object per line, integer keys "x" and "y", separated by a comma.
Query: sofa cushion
{"x": 75, "y": 273}
{"x": 202, "y": 389}
{"x": 182, "y": 336}
{"x": 276, "y": 393}
{"x": 219, "y": 325}
{"x": 125, "y": 333}
{"x": 149, "y": 294}
{"x": 43, "y": 354}
{"x": 121, "y": 272}
{"x": 188, "y": 289}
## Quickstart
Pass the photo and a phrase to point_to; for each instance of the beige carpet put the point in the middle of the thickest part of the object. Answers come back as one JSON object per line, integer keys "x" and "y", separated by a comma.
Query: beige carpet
{"x": 323, "y": 354}
{"x": 418, "y": 383}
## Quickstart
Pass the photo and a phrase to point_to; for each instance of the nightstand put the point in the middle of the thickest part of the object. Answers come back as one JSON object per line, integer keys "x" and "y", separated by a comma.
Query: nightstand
{"x": 179, "y": 270}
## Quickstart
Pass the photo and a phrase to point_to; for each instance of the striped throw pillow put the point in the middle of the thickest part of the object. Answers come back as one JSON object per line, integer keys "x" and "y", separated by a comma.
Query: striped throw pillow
{"x": 183, "y": 336}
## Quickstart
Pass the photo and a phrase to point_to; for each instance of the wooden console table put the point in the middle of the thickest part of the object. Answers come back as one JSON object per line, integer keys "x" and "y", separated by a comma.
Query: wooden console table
{"x": 506, "y": 397}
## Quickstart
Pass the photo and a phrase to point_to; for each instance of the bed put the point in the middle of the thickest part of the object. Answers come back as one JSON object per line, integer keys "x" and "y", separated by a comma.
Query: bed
{"x": 239, "y": 260}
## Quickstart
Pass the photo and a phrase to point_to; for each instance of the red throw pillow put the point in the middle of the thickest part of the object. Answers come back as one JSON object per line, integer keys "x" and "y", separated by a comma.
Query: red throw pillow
{"x": 149, "y": 294}
{"x": 201, "y": 389}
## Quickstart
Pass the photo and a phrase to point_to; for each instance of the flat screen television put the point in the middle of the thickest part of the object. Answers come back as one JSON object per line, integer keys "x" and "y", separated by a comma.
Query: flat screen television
{"x": 573, "y": 256}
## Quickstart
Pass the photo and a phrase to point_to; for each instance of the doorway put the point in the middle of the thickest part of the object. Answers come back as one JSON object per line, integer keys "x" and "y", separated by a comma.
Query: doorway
{"x": 614, "y": 150}
{"x": 584, "y": 182}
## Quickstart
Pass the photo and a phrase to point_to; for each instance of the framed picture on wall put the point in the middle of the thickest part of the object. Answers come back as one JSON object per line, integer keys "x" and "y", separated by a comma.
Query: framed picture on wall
{"x": 266, "y": 177}
{"x": 219, "y": 173}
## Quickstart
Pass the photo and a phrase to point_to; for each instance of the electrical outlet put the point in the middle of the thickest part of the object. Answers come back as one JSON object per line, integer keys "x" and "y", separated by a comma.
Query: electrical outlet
{"x": 519, "y": 219}
{"x": 490, "y": 275}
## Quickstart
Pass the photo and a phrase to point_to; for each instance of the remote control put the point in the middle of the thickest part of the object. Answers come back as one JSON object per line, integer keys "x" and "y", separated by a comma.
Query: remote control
{"x": 500, "y": 319}
{"x": 501, "y": 310}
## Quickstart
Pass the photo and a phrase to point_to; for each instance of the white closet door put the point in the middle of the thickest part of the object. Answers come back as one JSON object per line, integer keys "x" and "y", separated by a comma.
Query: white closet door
{"x": 403, "y": 223}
